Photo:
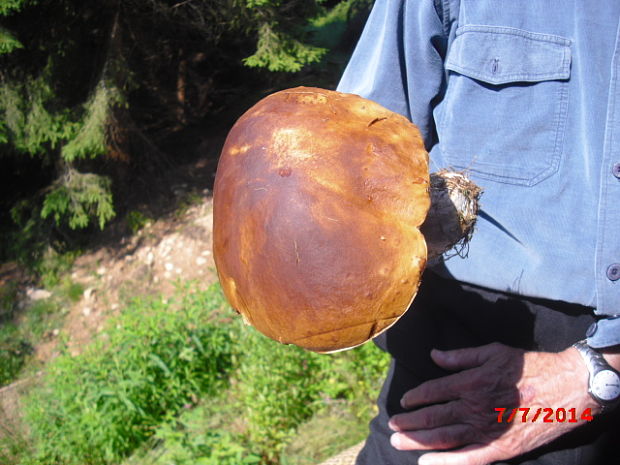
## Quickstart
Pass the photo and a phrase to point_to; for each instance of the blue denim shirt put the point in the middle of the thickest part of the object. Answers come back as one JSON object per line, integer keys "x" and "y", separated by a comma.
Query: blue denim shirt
{"x": 525, "y": 96}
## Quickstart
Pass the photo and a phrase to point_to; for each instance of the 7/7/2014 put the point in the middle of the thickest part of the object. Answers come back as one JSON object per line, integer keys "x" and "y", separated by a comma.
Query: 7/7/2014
{"x": 545, "y": 415}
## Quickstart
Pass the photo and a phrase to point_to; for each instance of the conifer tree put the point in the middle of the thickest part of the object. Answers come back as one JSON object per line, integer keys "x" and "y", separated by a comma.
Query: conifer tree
{"x": 88, "y": 84}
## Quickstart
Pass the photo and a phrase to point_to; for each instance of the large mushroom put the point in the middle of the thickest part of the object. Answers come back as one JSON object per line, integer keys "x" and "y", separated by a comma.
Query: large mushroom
{"x": 318, "y": 203}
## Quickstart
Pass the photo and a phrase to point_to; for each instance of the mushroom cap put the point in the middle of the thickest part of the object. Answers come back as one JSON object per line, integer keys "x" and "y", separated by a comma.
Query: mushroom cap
{"x": 318, "y": 200}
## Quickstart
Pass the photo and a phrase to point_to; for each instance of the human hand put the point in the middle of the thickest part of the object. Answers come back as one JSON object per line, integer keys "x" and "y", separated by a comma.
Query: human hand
{"x": 458, "y": 410}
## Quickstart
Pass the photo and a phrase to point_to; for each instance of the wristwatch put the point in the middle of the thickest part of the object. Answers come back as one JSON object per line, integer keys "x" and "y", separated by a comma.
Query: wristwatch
{"x": 604, "y": 381}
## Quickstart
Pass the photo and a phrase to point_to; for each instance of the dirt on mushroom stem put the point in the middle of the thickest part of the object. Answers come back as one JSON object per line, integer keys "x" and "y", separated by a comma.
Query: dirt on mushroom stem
{"x": 451, "y": 218}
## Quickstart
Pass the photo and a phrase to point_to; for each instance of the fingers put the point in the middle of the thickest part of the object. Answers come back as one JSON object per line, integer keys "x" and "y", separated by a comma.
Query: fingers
{"x": 462, "y": 359}
{"x": 425, "y": 418}
{"x": 470, "y": 455}
{"x": 445, "y": 437}
{"x": 437, "y": 390}
{"x": 450, "y": 387}
{"x": 454, "y": 412}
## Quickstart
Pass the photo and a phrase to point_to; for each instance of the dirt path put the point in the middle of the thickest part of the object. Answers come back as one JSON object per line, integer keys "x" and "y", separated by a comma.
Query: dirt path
{"x": 161, "y": 254}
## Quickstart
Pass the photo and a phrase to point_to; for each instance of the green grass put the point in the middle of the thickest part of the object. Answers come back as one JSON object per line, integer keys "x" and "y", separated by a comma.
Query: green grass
{"x": 14, "y": 351}
{"x": 52, "y": 266}
{"x": 71, "y": 290}
{"x": 23, "y": 327}
{"x": 20, "y": 334}
{"x": 13, "y": 444}
{"x": 187, "y": 201}
{"x": 8, "y": 299}
{"x": 324, "y": 435}
{"x": 97, "y": 407}
{"x": 185, "y": 382}
{"x": 282, "y": 406}
{"x": 203, "y": 435}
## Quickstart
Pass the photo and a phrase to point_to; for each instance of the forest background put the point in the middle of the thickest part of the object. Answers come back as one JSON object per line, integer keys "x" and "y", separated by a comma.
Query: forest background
{"x": 102, "y": 104}
{"x": 95, "y": 95}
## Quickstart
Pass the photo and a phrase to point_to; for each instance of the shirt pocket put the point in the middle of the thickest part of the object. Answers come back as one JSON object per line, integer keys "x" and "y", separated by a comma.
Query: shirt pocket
{"x": 504, "y": 111}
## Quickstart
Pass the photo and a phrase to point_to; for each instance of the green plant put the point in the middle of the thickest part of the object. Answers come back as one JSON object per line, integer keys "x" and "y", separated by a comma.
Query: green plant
{"x": 13, "y": 444}
{"x": 8, "y": 42}
{"x": 194, "y": 438}
{"x": 71, "y": 290}
{"x": 32, "y": 128}
{"x": 14, "y": 351}
{"x": 87, "y": 108}
{"x": 136, "y": 220}
{"x": 154, "y": 358}
{"x": 52, "y": 265}
{"x": 19, "y": 336}
{"x": 277, "y": 390}
{"x": 295, "y": 33}
{"x": 8, "y": 299}
{"x": 187, "y": 200}
{"x": 355, "y": 376}
{"x": 279, "y": 51}
{"x": 327, "y": 433}
{"x": 79, "y": 198}
{"x": 281, "y": 387}
{"x": 207, "y": 448}
{"x": 184, "y": 382}
{"x": 348, "y": 384}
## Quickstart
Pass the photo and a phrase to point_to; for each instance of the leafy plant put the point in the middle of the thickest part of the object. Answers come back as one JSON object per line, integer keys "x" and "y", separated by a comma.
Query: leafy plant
{"x": 325, "y": 434}
{"x": 78, "y": 198}
{"x": 278, "y": 51}
{"x": 277, "y": 390}
{"x": 51, "y": 266}
{"x": 17, "y": 340}
{"x": 14, "y": 351}
{"x": 97, "y": 407}
{"x": 136, "y": 220}
{"x": 8, "y": 42}
{"x": 13, "y": 444}
{"x": 281, "y": 387}
{"x": 195, "y": 439}
{"x": 355, "y": 376}
{"x": 183, "y": 382}
{"x": 72, "y": 290}
{"x": 186, "y": 201}
{"x": 8, "y": 299}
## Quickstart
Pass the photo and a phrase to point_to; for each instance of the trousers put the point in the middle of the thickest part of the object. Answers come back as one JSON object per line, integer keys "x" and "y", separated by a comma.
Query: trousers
{"x": 447, "y": 315}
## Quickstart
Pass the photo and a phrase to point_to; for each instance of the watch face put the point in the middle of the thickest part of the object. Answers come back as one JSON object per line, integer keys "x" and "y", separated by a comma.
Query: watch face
{"x": 606, "y": 385}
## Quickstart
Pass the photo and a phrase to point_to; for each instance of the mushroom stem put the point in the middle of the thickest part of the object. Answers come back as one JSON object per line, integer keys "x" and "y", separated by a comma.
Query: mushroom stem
{"x": 452, "y": 215}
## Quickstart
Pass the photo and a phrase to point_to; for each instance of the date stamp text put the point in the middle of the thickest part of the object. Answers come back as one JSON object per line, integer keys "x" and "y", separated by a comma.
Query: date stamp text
{"x": 544, "y": 415}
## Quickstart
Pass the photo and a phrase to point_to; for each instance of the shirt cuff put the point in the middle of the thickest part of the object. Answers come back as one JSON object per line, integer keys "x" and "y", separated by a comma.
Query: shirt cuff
{"x": 604, "y": 332}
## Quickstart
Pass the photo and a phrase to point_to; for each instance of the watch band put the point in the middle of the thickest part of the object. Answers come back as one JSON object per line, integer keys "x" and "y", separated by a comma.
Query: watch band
{"x": 593, "y": 358}
{"x": 595, "y": 362}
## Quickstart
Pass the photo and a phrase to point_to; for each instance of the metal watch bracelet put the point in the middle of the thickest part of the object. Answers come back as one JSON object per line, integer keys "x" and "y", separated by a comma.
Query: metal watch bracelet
{"x": 595, "y": 362}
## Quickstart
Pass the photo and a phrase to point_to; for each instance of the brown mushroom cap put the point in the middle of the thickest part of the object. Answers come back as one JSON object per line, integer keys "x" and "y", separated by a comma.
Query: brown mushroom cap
{"x": 317, "y": 203}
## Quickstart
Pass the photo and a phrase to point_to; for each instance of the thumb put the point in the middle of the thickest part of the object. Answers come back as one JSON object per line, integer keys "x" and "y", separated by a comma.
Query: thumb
{"x": 462, "y": 359}
{"x": 472, "y": 455}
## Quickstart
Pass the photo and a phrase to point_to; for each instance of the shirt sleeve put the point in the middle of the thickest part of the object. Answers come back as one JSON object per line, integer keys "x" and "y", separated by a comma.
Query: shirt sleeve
{"x": 398, "y": 61}
{"x": 604, "y": 333}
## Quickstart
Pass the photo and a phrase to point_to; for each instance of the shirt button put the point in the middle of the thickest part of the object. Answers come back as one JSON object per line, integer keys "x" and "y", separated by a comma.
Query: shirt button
{"x": 616, "y": 170}
{"x": 613, "y": 272}
{"x": 592, "y": 330}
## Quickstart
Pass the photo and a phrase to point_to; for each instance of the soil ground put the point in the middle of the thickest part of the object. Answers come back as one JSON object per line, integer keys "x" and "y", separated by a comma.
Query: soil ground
{"x": 166, "y": 251}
